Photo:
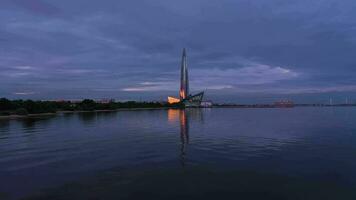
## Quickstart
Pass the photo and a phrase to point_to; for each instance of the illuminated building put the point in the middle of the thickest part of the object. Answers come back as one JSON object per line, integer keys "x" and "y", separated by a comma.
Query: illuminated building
{"x": 284, "y": 104}
{"x": 184, "y": 81}
{"x": 172, "y": 100}
{"x": 193, "y": 100}
{"x": 206, "y": 104}
{"x": 184, "y": 97}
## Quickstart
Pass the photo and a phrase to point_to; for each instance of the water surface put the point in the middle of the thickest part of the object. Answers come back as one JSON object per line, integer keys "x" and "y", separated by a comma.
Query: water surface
{"x": 297, "y": 153}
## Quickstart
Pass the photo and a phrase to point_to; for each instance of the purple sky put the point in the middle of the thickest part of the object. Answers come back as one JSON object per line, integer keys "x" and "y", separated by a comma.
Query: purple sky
{"x": 238, "y": 50}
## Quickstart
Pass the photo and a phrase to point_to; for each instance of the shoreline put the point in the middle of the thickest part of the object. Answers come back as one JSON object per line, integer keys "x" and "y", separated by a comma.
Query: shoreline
{"x": 9, "y": 117}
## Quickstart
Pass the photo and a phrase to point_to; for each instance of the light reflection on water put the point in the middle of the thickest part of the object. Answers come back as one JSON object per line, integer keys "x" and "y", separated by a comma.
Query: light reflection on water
{"x": 311, "y": 145}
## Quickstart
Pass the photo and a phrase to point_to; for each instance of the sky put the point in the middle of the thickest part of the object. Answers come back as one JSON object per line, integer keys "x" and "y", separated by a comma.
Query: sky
{"x": 239, "y": 51}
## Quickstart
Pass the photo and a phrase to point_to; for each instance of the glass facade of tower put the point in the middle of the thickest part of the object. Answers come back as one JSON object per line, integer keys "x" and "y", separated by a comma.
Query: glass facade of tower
{"x": 184, "y": 80}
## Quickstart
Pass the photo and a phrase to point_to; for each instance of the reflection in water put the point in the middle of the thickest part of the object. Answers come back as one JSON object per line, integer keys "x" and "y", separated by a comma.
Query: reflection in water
{"x": 173, "y": 115}
{"x": 4, "y": 124}
{"x": 106, "y": 115}
{"x": 184, "y": 134}
{"x": 4, "y": 128}
{"x": 30, "y": 125}
{"x": 184, "y": 116}
{"x": 87, "y": 117}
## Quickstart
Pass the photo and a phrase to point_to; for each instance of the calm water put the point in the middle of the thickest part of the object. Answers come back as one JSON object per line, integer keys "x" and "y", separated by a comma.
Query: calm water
{"x": 298, "y": 153}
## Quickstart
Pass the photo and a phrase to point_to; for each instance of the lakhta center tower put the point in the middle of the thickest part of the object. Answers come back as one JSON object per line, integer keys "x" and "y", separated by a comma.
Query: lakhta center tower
{"x": 184, "y": 81}
{"x": 185, "y": 97}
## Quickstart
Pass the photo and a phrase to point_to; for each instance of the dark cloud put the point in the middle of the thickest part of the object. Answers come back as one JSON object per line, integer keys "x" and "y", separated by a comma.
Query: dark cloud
{"x": 37, "y": 6}
{"x": 131, "y": 49}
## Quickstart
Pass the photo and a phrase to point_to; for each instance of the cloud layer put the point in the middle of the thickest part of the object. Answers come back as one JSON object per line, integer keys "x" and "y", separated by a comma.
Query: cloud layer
{"x": 220, "y": 79}
{"x": 131, "y": 49}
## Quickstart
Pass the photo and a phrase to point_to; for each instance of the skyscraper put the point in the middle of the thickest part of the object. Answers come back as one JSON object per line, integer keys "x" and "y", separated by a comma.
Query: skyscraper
{"x": 185, "y": 97}
{"x": 184, "y": 81}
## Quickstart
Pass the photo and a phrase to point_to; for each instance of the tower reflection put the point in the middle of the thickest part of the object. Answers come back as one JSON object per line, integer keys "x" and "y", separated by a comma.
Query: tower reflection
{"x": 184, "y": 134}
{"x": 184, "y": 116}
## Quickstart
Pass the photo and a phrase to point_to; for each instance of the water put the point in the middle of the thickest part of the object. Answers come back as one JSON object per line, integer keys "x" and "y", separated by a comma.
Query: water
{"x": 298, "y": 153}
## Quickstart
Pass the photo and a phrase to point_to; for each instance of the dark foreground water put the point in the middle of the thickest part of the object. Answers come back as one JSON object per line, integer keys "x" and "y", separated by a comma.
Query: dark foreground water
{"x": 220, "y": 153}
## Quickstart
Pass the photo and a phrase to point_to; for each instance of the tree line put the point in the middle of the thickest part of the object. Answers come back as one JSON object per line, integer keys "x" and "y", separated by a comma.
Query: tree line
{"x": 24, "y": 107}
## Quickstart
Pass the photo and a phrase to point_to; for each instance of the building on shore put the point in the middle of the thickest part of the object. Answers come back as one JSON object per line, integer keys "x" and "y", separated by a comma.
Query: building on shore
{"x": 187, "y": 99}
{"x": 284, "y": 104}
{"x": 105, "y": 101}
{"x": 206, "y": 104}
{"x": 172, "y": 100}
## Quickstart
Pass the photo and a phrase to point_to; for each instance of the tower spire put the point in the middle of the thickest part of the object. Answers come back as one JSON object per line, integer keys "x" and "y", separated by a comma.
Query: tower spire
{"x": 184, "y": 82}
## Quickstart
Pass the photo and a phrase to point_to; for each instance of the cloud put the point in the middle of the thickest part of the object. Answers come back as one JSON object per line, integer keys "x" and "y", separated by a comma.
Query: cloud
{"x": 24, "y": 93}
{"x": 249, "y": 75}
{"x": 221, "y": 79}
{"x": 153, "y": 86}
{"x": 74, "y": 71}
{"x": 15, "y": 74}
{"x": 24, "y": 67}
{"x": 322, "y": 89}
{"x": 37, "y": 6}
